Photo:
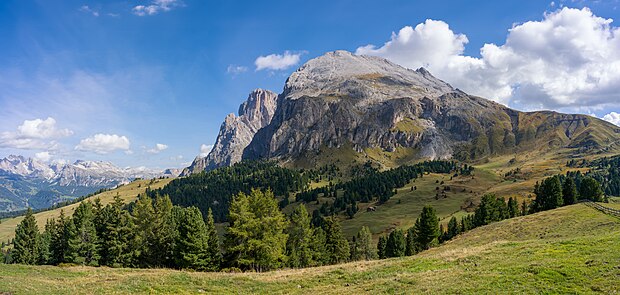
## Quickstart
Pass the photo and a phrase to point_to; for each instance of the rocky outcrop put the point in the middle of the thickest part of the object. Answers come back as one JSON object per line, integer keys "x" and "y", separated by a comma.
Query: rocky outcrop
{"x": 236, "y": 132}
{"x": 342, "y": 99}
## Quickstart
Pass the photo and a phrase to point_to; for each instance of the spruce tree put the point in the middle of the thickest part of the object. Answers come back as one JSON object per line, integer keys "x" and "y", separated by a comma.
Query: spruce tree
{"x": 318, "y": 247}
{"x": 336, "y": 245}
{"x": 396, "y": 244}
{"x": 45, "y": 240}
{"x": 83, "y": 241}
{"x": 453, "y": 228}
{"x": 381, "y": 247}
{"x": 145, "y": 240}
{"x": 255, "y": 238}
{"x": 590, "y": 189}
{"x": 26, "y": 241}
{"x": 298, "y": 245}
{"x": 428, "y": 229}
{"x": 513, "y": 208}
{"x": 411, "y": 247}
{"x": 59, "y": 240}
{"x": 116, "y": 235}
{"x": 214, "y": 254}
{"x": 192, "y": 243}
{"x": 569, "y": 191}
{"x": 165, "y": 232}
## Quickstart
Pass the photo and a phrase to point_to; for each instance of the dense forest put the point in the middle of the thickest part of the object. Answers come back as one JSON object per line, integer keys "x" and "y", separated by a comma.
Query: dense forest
{"x": 605, "y": 170}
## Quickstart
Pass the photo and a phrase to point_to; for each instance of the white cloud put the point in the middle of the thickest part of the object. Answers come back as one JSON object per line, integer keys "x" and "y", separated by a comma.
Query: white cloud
{"x": 34, "y": 134}
{"x": 103, "y": 143}
{"x": 156, "y": 7}
{"x": 234, "y": 69}
{"x": 43, "y": 156}
{"x": 277, "y": 61}
{"x": 157, "y": 149}
{"x": 570, "y": 59}
{"x": 205, "y": 149}
{"x": 87, "y": 9}
{"x": 612, "y": 117}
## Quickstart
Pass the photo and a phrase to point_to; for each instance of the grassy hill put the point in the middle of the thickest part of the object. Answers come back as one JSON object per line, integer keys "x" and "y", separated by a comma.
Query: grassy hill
{"x": 127, "y": 192}
{"x": 572, "y": 249}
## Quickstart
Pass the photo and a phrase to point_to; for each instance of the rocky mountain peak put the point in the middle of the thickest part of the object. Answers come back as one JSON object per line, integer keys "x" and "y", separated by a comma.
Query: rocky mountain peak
{"x": 236, "y": 132}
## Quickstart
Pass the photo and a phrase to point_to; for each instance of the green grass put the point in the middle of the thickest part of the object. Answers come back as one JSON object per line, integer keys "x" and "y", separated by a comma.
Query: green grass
{"x": 573, "y": 249}
{"x": 127, "y": 192}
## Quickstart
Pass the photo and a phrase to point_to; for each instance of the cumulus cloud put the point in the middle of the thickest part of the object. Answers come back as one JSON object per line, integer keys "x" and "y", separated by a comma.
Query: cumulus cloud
{"x": 156, "y": 6}
{"x": 43, "y": 156}
{"x": 157, "y": 149}
{"x": 569, "y": 59}
{"x": 205, "y": 149}
{"x": 34, "y": 134}
{"x": 613, "y": 118}
{"x": 103, "y": 143}
{"x": 277, "y": 61}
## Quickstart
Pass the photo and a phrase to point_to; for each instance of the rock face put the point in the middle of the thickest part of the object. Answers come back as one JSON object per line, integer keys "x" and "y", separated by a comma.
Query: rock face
{"x": 236, "y": 132}
{"x": 342, "y": 99}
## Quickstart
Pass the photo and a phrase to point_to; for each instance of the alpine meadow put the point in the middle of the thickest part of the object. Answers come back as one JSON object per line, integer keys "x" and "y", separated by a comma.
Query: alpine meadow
{"x": 475, "y": 150}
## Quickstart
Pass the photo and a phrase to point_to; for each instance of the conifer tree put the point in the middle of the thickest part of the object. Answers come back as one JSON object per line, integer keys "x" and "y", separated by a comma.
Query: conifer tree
{"x": 255, "y": 238}
{"x": 145, "y": 240}
{"x": 381, "y": 247}
{"x": 165, "y": 232}
{"x": 336, "y": 245}
{"x": 318, "y": 250}
{"x": 428, "y": 228}
{"x": 298, "y": 245}
{"x": 45, "y": 239}
{"x": 364, "y": 246}
{"x": 59, "y": 240}
{"x": 116, "y": 234}
{"x": 453, "y": 228}
{"x": 192, "y": 243}
{"x": 569, "y": 191}
{"x": 214, "y": 254}
{"x": 411, "y": 247}
{"x": 396, "y": 244}
{"x": 82, "y": 242}
{"x": 513, "y": 208}
{"x": 26, "y": 241}
{"x": 591, "y": 190}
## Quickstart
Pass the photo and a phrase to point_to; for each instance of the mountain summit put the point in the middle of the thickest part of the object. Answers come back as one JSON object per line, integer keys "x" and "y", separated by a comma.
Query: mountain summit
{"x": 369, "y": 106}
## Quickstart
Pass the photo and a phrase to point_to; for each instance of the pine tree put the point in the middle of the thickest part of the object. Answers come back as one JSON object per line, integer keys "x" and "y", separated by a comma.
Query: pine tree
{"x": 569, "y": 191}
{"x": 591, "y": 190}
{"x": 336, "y": 245}
{"x": 396, "y": 244}
{"x": 364, "y": 246}
{"x": 116, "y": 234}
{"x": 45, "y": 240}
{"x": 298, "y": 245}
{"x": 428, "y": 230}
{"x": 26, "y": 242}
{"x": 83, "y": 248}
{"x": 255, "y": 238}
{"x": 214, "y": 254}
{"x": 192, "y": 243}
{"x": 548, "y": 194}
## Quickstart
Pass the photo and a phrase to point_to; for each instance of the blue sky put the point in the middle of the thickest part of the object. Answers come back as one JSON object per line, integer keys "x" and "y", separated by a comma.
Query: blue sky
{"x": 147, "y": 82}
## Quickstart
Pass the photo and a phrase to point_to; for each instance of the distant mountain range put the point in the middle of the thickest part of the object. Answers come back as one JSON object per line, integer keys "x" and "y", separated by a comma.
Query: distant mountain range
{"x": 27, "y": 182}
{"x": 346, "y": 106}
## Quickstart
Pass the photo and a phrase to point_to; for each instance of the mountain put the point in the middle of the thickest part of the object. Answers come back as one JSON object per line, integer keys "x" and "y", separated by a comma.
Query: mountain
{"x": 360, "y": 104}
{"x": 236, "y": 132}
{"x": 27, "y": 182}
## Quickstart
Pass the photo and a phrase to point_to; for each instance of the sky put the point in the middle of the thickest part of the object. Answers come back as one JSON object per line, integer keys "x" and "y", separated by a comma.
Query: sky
{"x": 148, "y": 82}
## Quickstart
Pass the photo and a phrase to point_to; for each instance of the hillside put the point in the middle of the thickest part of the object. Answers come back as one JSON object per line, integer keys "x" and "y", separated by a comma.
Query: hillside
{"x": 570, "y": 249}
{"x": 127, "y": 192}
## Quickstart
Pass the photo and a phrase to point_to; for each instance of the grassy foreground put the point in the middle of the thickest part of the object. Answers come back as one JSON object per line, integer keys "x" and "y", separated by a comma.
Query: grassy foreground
{"x": 573, "y": 249}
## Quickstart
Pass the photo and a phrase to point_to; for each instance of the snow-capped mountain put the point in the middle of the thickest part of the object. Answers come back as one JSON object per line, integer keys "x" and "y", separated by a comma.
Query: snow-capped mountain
{"x": 27, "y": 182}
